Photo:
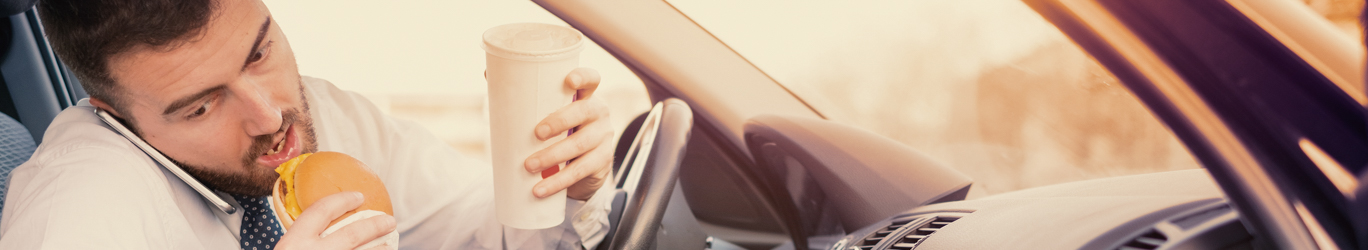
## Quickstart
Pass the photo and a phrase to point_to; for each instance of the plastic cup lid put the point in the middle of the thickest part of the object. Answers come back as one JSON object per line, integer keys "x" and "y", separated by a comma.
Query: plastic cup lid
{"x": 532, "y": 41}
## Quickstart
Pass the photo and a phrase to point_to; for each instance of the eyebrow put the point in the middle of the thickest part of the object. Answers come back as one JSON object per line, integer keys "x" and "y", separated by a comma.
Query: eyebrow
{"x": 261, "y": 34}
{"x": 186, "y": 101}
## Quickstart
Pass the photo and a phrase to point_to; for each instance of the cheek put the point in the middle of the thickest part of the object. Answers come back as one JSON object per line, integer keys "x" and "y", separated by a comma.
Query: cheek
{"x": 210, "y": 143}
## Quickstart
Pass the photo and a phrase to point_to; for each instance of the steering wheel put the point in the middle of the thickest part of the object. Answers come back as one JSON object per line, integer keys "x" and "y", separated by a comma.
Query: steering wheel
{"x": 647, "y": 176}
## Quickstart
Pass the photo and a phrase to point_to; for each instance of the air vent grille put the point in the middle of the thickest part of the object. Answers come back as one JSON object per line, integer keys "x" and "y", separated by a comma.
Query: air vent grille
{"x": 917, "y": 235}
{"x": 873, "y": 239}
{"x": 1148, "y": 241}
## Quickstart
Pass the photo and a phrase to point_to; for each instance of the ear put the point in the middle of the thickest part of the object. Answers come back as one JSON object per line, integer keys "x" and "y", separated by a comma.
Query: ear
{"x": 102, "y": 105}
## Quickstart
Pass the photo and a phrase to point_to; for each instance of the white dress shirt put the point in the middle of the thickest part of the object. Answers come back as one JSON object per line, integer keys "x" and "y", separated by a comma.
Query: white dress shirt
{"x": 86, "y": 187}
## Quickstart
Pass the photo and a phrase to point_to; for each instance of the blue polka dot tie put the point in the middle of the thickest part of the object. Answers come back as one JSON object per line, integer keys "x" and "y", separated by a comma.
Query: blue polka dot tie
{"x": 260, "y": 230}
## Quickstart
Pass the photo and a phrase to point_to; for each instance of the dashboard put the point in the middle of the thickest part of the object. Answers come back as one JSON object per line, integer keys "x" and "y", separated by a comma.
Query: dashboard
{"x": 1169, "y": 210}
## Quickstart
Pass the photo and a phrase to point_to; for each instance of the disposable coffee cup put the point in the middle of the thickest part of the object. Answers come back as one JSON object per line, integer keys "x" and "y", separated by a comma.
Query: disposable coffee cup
{"x": 526, "y": 65}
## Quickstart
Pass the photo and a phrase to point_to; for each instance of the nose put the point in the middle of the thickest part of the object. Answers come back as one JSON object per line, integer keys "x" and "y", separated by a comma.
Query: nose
{"x": 260, "y": 115}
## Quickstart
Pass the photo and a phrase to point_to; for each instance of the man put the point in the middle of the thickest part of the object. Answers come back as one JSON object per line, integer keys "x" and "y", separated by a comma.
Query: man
{"x": 213, "y": 85}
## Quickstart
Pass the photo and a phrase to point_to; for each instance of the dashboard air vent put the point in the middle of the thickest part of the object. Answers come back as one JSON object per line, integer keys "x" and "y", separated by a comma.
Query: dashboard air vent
{"x": 917, "y": 235}
{"x": 1148, "y": 241}
{"x": 873, "y": 239}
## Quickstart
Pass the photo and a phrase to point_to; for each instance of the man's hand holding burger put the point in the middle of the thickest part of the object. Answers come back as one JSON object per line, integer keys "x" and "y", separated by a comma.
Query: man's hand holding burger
{"x": 325, "y": 191}
{"x": 589, "y": 150}
{"x": 304, "y": 234}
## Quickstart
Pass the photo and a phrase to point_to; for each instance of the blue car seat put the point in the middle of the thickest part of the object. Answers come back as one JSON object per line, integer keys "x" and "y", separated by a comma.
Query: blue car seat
{"x": 16, "y": 146}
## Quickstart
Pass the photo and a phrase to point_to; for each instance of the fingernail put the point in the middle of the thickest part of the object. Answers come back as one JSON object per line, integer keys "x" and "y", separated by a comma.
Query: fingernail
{"x": 542, "y": 130}
{"x": 359, "y": 196}
{"x": 540, "y": 192}
{"x": 575, "y": 79}
{"x": 532, "y": 165}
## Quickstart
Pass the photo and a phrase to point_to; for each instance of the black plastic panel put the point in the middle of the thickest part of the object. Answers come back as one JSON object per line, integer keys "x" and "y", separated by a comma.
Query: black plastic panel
{"x": 28, "y": 79}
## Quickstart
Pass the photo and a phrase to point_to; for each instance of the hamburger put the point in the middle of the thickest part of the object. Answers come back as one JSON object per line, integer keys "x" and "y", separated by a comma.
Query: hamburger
{"x": 310, "y": 177}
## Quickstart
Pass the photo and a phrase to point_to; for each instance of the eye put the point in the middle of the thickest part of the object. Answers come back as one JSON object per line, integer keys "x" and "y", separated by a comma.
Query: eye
{"x": 261, "y": 53}
{"x": 203, "y": 108}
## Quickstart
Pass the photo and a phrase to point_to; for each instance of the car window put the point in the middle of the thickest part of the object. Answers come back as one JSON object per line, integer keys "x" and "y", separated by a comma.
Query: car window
{"x": 987, "y": 87}
{"x": 421, "y": 60}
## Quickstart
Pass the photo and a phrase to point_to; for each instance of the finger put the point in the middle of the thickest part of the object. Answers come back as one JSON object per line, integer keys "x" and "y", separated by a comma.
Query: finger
{"x": 570, "y": 116}
{"x": 579, "y": 169}
{"x": 584, "y": 80}
{"x": 316, "y": 217}
{"x": 587, "y": 138}
{"x": 361, "y": 232}
{"x": 585, "y": 188}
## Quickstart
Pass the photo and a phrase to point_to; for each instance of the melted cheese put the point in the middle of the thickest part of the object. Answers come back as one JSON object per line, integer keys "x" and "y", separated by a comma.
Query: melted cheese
{"x": 287, "y": 175}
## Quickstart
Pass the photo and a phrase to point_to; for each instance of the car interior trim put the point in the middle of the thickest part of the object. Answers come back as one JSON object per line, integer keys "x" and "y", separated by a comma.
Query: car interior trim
{"x": 1090, "y": 214}
{"x": 917, "y": 229}
{"x": 1343, "y": 180}
{"x": 1214, "y": 226}
{"x": 1268, "y": 96}
{"x": 1190, "y": 213}
{"x": 743, "y": 236}
{"x": 1223, "y": 152}
{"x": 1323, "y": 50}
{"x": 54, "y": 67}
{"x": 706, "y": 145}
{"x": 1323, "y": 240}
{"x": 752, "y": 64}
{"x": 28, "y": 81}
{"x": 840, "y": 174}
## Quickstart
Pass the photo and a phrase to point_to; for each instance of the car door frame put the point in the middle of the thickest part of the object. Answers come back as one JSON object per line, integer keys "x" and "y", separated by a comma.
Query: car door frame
{"x": 1252, "y": 151}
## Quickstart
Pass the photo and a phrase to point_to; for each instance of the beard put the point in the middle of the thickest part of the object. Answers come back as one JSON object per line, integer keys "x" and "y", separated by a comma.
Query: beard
{"x": 252, "y": 179}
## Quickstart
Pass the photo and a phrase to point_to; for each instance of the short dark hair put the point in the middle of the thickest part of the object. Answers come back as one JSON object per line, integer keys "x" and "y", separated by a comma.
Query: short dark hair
{"x": 87, "y": 33}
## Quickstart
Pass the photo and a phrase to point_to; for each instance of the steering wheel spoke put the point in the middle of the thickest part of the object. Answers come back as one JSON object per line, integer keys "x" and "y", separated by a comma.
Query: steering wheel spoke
{"x": 648, "y": 175}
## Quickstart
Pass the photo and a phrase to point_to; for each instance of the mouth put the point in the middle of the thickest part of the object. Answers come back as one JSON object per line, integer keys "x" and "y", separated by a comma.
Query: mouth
{"x": 287, "y": 148}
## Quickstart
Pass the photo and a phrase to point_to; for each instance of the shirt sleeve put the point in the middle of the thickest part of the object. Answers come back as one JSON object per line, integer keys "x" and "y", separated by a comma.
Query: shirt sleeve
{"x": 591, "y": 220}
{"x": 442, "y": 200}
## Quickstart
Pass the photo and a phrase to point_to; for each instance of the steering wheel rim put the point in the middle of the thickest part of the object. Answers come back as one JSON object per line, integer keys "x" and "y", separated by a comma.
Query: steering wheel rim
{"x": 648, "y": 174}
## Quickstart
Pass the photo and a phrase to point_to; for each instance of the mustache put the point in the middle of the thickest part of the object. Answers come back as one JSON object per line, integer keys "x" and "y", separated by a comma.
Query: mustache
{"x": 263, "y": 143}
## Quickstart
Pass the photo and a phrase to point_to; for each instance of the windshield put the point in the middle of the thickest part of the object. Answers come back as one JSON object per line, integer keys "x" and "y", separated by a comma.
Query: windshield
{"x": 421, "y": 60}
{"x": 987, "y": 87}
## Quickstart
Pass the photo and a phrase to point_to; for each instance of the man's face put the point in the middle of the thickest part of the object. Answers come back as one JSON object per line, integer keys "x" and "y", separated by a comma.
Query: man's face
{"x": 226, "y": 105}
